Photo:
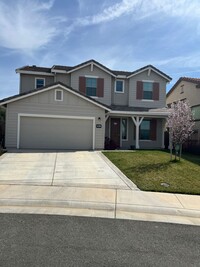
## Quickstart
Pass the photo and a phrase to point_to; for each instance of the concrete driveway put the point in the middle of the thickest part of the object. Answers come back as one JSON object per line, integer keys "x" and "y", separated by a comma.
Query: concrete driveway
{"x": 81, "y": 169}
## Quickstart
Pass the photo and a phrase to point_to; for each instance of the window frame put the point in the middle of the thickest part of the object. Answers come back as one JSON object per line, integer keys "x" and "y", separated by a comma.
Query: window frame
{"x": 148, "y": 130}
{"x": 193, "y": 111}
{"x": 182, "y": 89}
{"x": 91, "y": 77}
{"x": 126, "y": 129}
{"x": 119, "y": 92}
{"x": 59, "y": 90}
{"x": 39, "y": 78}
{"x": 149, "y": 82}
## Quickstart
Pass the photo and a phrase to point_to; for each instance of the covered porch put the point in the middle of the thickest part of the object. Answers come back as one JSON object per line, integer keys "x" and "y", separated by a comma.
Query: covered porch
{"x": 135, "y": 129}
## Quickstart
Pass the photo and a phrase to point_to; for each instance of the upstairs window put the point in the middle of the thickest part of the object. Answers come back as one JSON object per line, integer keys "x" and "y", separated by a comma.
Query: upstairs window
{"x": 39, "y": 82}
{"x": 58, "y": 95}
{"x": 182, "y": 89}
{"x": 91, "y": 86}
{"x": 119, "y": 86}
{"x": 147, "y": 90}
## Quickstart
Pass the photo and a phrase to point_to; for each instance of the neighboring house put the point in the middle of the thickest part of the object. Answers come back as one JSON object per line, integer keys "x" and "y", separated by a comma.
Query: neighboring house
{"x": 79, "y": 107}
{"x": 188, "y": 89}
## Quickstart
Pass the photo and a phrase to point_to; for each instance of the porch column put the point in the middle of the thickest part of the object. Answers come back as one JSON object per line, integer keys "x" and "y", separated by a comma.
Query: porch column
{"x": 137, "y": 121}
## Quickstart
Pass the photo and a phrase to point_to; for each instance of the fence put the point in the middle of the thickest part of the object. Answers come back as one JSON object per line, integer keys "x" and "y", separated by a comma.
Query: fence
{"x": 192, "y": 146}
{"x": 2, "y": 133}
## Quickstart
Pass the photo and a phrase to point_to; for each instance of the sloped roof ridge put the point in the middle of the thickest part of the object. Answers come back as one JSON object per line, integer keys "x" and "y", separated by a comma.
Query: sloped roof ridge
{"x": 115, "y": 72}
{"x": 151, "y": 66}
{"x": 190, "y": 78}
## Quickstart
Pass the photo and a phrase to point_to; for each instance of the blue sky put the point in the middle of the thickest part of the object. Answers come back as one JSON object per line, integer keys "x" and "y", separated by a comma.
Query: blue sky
{"x": 121, "y": 34}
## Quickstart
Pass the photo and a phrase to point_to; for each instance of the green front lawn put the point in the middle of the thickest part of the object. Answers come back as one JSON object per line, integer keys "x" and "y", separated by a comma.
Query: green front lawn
{"x": 148, "y": 169}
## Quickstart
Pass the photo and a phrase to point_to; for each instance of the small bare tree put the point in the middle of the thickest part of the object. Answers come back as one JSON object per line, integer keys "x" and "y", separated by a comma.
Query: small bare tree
{"x": 180, "y": 124}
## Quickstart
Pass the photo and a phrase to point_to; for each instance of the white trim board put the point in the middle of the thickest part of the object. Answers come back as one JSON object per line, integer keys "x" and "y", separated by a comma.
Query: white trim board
{"x": 57, "y": 86}
{"x": 53, "y": 117}
{"x": 147, "y": 69}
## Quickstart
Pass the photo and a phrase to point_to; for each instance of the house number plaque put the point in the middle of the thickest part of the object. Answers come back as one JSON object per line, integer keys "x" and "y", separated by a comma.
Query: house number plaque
{"x": 98, "y": 125}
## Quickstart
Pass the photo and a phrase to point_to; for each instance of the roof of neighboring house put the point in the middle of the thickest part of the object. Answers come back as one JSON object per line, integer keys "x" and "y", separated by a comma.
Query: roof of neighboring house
{"x": 50, "y": 86}
{"x": 115, "y": 73}
{"x": 186, "y": 79}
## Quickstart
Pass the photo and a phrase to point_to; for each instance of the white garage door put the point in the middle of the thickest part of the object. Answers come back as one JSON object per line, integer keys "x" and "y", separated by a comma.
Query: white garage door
{"x": 56, "y": 133}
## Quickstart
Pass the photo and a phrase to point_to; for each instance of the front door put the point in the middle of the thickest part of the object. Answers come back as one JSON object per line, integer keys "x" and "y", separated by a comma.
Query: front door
{"x": 115, "y": 132}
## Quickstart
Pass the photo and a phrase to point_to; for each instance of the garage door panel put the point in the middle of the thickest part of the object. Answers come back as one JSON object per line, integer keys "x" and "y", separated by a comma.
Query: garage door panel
{"x": 56, "y": 133}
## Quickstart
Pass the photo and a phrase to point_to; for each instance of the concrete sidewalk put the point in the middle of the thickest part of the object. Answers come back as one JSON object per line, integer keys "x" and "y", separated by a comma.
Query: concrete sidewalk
{"x": 99, "y": 202}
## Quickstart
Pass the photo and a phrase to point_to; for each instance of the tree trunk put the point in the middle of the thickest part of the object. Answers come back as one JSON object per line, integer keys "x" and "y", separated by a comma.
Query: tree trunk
{"x": 180, "y": 151}
{"x": 170, "y": 145}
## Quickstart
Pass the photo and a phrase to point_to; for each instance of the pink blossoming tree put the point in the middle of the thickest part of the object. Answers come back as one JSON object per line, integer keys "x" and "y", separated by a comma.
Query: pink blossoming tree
{"x": 180, "y": 124}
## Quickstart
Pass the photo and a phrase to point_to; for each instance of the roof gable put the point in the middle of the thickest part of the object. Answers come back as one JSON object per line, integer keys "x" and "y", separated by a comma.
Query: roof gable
{"x": 92, "y": 62}
{"x": 49, "y": 87}
{"x": 186, "y": 79}
{"x": 150, "y": 68}
{"x": 69, "y": 69}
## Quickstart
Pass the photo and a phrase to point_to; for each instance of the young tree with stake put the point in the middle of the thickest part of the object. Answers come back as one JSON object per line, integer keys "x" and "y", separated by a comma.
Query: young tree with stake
{"x": 180, "y": 124}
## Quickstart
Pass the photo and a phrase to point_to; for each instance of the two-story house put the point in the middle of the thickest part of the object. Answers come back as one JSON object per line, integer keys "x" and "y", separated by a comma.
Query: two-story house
{"x": 188, "y": 89}
{"x": 79, "y": 107}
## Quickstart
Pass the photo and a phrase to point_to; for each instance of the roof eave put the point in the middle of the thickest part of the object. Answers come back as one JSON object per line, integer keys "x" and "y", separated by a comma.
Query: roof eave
{"x": 151, "y": 68}
{"x": 141, "y": 113}
{"x": 19, "y": 97}
{"x": 88, "y": 64}
{"x": 34, "y": 72}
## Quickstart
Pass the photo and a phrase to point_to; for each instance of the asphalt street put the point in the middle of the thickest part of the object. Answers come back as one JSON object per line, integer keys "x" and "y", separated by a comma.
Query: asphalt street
{"x": 46, "y": 240}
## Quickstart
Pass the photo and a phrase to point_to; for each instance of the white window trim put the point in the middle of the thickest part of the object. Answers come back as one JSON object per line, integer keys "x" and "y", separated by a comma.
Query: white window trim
{"x": 39, "y": 78}
{"x": 58, "y": 90}
{"x": 127, "y": 130}
{"x": 148, "y": 81}
{"x": 148, "y": 100}
{"x": 90, "y": 76}
{"x": 122, "y": 86}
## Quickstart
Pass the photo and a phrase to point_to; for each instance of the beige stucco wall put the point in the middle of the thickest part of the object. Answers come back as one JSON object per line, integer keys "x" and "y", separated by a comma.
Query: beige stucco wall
{"x": 190, "y": 92}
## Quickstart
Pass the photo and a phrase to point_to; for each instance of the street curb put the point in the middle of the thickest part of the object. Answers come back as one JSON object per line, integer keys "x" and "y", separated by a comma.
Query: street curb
{"x": 72, "y": 204}
{"x": 158, "y": 210}
{"x": 58, "y": 204}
